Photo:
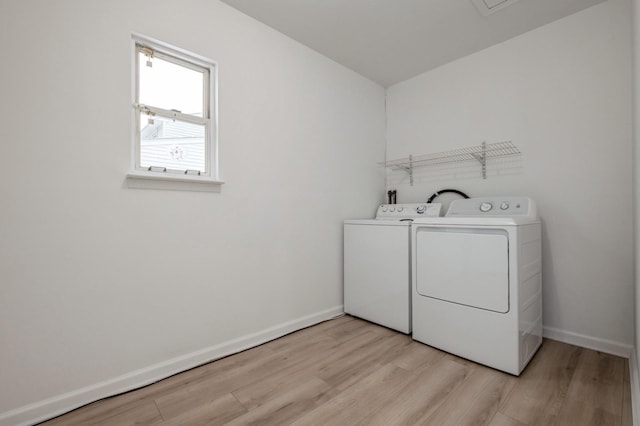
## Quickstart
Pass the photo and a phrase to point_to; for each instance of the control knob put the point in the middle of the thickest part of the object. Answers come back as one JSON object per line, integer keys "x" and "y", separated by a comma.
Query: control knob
{"x": 421, "y": 209}
{"x": 485, "y": 207}
{"x": 504, "y": 206}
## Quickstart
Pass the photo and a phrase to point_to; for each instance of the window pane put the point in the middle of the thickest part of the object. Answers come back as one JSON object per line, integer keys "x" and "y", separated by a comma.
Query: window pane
{"x": 170, "y": 86}
{"x": 171, "y": 144}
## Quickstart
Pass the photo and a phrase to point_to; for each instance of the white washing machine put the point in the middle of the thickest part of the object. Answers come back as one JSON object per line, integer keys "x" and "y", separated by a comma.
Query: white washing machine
{"x": 377, "y": 264}
{"x": 477, "y": 288}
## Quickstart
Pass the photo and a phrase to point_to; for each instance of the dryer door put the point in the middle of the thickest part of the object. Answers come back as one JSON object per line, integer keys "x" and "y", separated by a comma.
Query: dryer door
{"x": 464, "y": 266}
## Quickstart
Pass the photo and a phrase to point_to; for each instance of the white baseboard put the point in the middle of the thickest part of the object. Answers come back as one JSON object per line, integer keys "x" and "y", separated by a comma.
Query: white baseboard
{"x": 602, "y": 345}
{"x": 52, "y": 407}
{"x": 635, "y": 387}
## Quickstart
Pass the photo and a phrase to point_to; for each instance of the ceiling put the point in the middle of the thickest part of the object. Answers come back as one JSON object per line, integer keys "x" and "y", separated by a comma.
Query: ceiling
{"x": 390, "y": 41}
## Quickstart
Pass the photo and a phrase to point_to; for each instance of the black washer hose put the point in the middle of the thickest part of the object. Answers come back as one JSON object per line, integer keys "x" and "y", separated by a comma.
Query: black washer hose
{"x": 442, "y": 191}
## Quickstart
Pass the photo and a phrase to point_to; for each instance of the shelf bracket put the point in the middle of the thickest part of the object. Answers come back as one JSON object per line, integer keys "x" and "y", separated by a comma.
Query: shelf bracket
{"x": 409, "y": 169}
{"x": 482, "y": 158}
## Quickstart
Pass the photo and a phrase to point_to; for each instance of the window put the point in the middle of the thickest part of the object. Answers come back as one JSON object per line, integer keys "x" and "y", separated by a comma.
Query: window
{"x": 174, "y": 114}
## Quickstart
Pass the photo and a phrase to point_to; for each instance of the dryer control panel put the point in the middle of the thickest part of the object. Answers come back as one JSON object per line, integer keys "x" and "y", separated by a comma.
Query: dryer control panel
{"x": 493, "y": 206}
{"x": 408, "y": 211}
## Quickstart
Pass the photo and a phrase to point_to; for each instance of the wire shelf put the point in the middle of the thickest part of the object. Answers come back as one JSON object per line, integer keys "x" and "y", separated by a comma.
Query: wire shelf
{"x": 480, "y": 153}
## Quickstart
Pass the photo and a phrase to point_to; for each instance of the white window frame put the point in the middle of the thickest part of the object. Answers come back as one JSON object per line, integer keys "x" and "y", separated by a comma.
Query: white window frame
{"x": 139, "y": 177}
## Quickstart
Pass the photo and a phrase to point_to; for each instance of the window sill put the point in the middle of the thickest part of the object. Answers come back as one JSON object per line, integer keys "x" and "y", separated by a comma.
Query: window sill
{"x": 167, "y": 181}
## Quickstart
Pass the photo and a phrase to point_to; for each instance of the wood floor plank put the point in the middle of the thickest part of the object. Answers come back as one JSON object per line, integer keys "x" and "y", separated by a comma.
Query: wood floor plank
{"x": 484, "y": 408}
{"x": 422, "y": 395}
{"x": 187, "y": 401}
{"x": 146, "y": 414}
{"x": 301, "y": 367}
{"x": 476, "y": 402}
{"x": 356, "y": 402}
{"x": 349, "y": 371}
{"x": 541, "y": 390}
{"x": 351, "y": 367}
{"x": 287, "y": 405}
{"x": 417, "y": 355}
{"x": 353, "y": 328}
{"x": 219, "y": 411}
{"x": 579, "y": 413}
{"x": 595, "y": 394}
{"x": 501, "y": 420}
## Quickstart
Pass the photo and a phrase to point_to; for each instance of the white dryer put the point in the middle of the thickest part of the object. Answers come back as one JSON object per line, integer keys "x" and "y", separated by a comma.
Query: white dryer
{"x": 477, "y": 289}
{"x": 377, "y": 264}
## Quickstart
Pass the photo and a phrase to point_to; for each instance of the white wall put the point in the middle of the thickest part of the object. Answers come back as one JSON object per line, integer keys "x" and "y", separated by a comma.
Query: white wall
{"x": 562, "y": 94}
{"x": 99, "y": 281}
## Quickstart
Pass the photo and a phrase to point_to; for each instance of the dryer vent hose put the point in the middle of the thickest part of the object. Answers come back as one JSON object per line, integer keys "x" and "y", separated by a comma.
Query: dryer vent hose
{"x": 442, "y": 191}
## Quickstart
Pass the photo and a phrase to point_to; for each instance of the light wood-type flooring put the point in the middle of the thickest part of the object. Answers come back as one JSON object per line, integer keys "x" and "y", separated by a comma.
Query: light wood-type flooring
{"x": 350, "y": 372}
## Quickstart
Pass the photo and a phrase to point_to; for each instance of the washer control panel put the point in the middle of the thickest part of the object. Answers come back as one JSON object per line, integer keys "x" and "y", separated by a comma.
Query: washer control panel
{"x": 493, "y": 206}
{"x": 408, "y": 211}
